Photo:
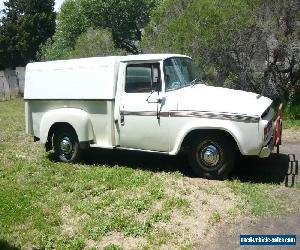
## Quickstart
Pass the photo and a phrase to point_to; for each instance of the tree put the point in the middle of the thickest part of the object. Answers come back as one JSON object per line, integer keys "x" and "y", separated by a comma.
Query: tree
{"x": 124, "y": 19}
{"x": 95, "y": 43}
{"x": 198, "y": 28}
{"x": 26, "y": 24}
{"x": 248, "y": 45}
{"x": 266, "y": 56}
{"x": 71, "y": 23}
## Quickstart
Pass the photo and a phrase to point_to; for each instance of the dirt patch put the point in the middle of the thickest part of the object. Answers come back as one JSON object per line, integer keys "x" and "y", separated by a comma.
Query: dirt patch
{"x": 210, "y": 203}
{"x": 288, "y": 194}
{"x": 228, "y": 235}
{"x": 117, "y": 239}
{"x": 70, "y": 221}
{"x": 291, "y": 136}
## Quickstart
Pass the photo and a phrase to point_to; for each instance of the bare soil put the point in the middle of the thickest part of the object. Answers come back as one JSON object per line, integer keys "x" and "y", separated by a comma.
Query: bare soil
{"x": 227, "y": 236}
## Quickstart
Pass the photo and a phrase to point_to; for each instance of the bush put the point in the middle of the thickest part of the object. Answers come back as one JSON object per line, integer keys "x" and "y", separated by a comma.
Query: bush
{"x": 95, "y": 43}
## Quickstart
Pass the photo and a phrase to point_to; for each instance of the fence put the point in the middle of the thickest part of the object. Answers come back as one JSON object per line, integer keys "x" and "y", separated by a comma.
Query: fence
{"x": 12, "y": 83}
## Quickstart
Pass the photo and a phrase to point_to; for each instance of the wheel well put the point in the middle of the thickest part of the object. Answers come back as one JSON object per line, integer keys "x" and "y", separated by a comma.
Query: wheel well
{"x": 54, "y": 127}
{"x": 196, "y": 133}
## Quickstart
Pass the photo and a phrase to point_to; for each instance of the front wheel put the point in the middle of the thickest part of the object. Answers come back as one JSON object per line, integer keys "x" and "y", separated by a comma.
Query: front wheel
{"x": 212, "y": 156}
{"x": 66, "y": 145}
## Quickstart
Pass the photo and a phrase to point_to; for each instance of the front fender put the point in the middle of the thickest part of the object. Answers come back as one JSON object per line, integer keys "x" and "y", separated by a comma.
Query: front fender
{"x": 240, "y": 132}
{"x": 77, "y": 118}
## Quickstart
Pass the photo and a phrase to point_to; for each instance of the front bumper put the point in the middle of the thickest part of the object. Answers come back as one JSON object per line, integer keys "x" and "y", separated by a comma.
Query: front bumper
{"x": 267, "y": 150}
{"x": 276, "y": 138}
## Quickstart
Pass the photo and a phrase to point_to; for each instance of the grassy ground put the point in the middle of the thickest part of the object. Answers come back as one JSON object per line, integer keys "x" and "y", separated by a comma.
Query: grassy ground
{"x": 290, "y": 123}
{"x": 291, "y": 117}
{"x": 103, "y": 203}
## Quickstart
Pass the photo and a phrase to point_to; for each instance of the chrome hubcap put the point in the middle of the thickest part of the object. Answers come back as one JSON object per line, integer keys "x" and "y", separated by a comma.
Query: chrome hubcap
{"x": 210, "y": 156}
{"x": 66, "y": 146}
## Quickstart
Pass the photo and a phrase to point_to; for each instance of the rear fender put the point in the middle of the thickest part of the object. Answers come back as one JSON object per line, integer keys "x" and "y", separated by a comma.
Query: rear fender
{"x": 77, "y": 118}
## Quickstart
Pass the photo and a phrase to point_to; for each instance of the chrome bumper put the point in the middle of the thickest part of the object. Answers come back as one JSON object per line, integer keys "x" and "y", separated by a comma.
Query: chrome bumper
{"x": 267, "y": 150}
{"x": 276, "y": 138}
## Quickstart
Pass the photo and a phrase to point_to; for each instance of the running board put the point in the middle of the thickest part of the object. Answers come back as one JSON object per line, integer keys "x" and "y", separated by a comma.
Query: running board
{"x": 128, "y": 149}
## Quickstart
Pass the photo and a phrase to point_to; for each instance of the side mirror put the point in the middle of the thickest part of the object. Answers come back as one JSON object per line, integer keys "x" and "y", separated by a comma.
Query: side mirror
{"x": 156, "y": 85}
{"x": 155, "y": 76}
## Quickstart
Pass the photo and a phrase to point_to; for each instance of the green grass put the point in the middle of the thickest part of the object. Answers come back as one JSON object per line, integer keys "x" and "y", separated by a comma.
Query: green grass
{"x": 54, "y": 205}
{"x": 258, "y": 198}
{"x": 215, "y": 218}
{"x": 45, "y": 204}
{"x": 291, "y": 114}
{"x": 291, "y": 123}
{"x": 112, "y": 247}
{"x": 291, "y": 117}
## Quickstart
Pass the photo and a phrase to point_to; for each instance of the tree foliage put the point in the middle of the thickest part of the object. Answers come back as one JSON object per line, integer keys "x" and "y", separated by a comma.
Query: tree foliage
{"x": 71, "y": 23}
{"x": 124, "y": 19}
{"x": 95, "y": 43}
{"x": 25, "y": 25}
{"x": 282, "y": 52}
{"x": 249, "y": 45}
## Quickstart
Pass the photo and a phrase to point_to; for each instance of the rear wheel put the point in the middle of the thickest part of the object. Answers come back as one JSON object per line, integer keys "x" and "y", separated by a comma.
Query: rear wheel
{"x": 66, "y": 145}
{"x": 212, "y": 156}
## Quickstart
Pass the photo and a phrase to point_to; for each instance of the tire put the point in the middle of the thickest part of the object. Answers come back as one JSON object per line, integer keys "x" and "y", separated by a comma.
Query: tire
{"x": 66, "y": 145}
{"x": 212, "y": 156}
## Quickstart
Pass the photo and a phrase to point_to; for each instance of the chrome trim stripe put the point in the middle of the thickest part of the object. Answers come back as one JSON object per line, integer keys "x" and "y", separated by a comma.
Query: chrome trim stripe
{"x": 215, "y": 115}
{"x": 145, "y": 113}
{"x": 140, "y": 113}
{"x": 199, "y": 114}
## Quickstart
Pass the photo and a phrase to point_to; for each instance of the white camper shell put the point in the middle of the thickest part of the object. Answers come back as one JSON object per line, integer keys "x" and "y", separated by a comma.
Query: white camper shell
{"x": 153, "y": 103}
{"x": 79, "y": 79}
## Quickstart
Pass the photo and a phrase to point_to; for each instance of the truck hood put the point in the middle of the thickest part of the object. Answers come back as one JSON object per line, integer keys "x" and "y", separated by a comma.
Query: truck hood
{"x": 215, "y": 99}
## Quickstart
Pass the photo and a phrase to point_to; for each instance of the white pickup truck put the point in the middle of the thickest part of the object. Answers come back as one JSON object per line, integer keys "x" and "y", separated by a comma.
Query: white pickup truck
{"x": 153, "y": 103}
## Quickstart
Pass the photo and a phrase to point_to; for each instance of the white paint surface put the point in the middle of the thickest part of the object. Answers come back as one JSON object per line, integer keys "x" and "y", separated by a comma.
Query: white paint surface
{"x": 79, "y": 79}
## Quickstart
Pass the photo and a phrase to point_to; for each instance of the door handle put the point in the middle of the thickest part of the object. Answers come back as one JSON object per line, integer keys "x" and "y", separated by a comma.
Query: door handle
{"x": 122, "y": 119}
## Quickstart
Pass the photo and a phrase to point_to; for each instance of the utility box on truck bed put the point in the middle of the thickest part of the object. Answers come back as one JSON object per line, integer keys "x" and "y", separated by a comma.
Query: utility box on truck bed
{"x": 153, "y": 103}
{"x": 78, "y": 79}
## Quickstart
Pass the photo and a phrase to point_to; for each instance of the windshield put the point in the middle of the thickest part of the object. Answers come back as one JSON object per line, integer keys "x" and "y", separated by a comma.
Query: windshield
{"x": 179, "y": 73}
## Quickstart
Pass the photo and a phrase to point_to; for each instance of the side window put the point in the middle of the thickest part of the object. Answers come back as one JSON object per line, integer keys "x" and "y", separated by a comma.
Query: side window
{"x": 142, "y": 78}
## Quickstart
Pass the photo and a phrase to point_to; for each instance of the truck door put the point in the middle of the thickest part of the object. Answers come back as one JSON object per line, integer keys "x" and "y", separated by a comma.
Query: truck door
{"x": 143, "y": 119}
